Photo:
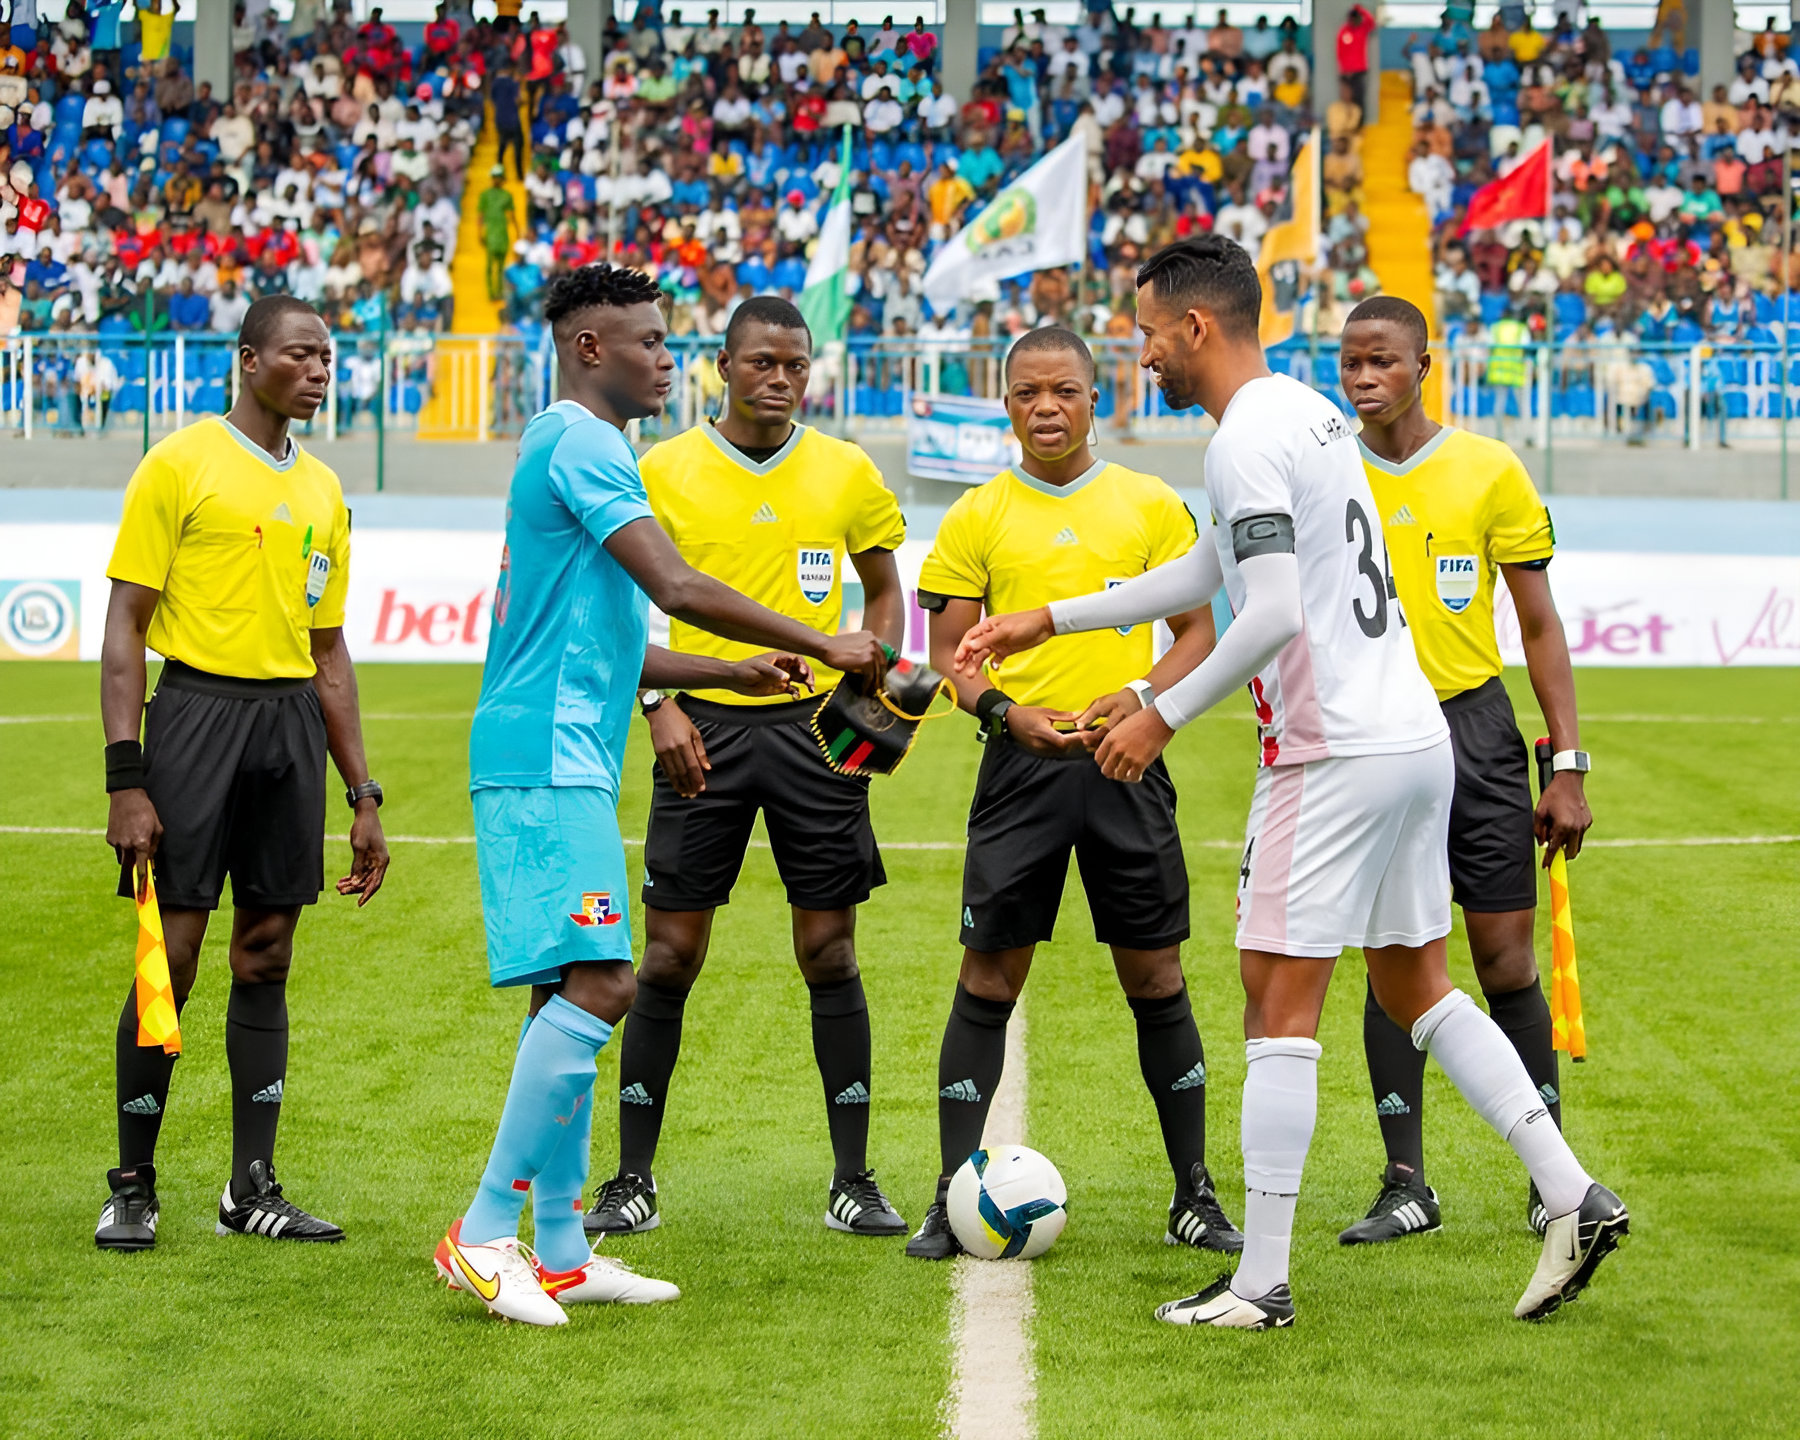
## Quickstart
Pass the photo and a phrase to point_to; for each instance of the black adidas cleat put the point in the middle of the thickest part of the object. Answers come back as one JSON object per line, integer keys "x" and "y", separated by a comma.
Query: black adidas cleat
{"x": 935, "y": 1240}
{"x": 626, "y": 1205}
{"x": 1217, "y": 1306}
{"x": 1574, "y": 1246}
{"x": 1537, "y": 1218}
{"x": 128, "y": 1219}
{"x": 1405, "y": 1206}
{"x": 1198, "y": 1219}
{"x": 265, "y": 1212}
{"x": 857, "y": 1207}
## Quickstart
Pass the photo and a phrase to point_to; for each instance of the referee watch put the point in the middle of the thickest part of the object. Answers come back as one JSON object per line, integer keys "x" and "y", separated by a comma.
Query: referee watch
{"x": 990, "y": 712}
{"x": 368, "y": 790}
{"x": 649, "y": 701}
{"x": 1576, "y": 760}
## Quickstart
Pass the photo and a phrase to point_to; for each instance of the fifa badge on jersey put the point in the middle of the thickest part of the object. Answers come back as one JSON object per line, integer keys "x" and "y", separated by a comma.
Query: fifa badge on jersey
{"x": 1122, "y": 629}
{"x": 316, "y": 575}
{"x": 597, "y": 908}
{"x": 816, "y": 571}
{"x": 1458, "y": 578}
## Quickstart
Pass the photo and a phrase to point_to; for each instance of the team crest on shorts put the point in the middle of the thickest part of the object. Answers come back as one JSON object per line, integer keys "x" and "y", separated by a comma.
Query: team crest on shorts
{"x": 597, "y": 908}
{"x": 1458, "y": 578}
{"x": 815, "y": 570}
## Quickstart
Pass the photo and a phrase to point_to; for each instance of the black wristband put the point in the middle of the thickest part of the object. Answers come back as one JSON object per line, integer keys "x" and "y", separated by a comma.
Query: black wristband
{"x": 124, "y": 766}
{"x": 987, "y": 701}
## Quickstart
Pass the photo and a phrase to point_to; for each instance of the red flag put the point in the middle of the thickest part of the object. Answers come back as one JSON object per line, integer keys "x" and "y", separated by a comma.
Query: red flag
{"x": 1521, "y": 195}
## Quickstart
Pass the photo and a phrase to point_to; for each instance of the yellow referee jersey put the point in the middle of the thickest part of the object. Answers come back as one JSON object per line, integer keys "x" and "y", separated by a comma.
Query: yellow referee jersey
{"x": 777, "y": 531}
{"x": 1454, "y": 513}
{"x": 250, "y": 553}
{"x": 1017, "y": 543}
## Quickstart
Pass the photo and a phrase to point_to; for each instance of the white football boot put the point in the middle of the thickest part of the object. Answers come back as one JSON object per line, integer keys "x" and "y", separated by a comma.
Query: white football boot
{"x": 1217, "y": 1306}
{"x": 603, "y": 1281}
{"x": 1574, "y": 1246}
{"x": 501, "y": 1274}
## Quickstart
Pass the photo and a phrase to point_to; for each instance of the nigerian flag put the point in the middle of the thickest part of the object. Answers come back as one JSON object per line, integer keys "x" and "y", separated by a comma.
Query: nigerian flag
{"x": 825, "y": 302}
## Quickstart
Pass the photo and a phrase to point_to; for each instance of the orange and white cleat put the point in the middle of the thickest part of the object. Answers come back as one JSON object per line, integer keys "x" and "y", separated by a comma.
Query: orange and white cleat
{"x": 604, "y": 1281}
{"x": 502, "y": 1275}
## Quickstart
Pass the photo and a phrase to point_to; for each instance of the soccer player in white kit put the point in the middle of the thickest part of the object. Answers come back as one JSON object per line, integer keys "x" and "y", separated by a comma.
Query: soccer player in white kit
{"x": 1347, "y": 839}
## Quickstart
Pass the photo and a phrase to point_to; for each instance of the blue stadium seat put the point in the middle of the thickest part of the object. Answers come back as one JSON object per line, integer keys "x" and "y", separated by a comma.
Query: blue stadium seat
{"x": 174, "y": 128}
{"x": 1737, "y": 405}
{"x": 1571, "y": 309}
{"x": 881, "y": 154}
{"x": 1492, "y": 308}
{"x": 1686, "y": 332}
{"x": 1765, "y": 309}
{"x": 1663, "y": 404}
{"x": 68, "y": 110}
{"x": 1662, "y": 370}
{"x": 913, "y": 151}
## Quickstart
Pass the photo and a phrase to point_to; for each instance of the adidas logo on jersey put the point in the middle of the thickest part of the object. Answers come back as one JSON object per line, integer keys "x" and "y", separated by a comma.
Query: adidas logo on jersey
{"x": 143, "y": 1105}
{"x": 1065, "y": 536}
{"x": 1193, "y": 1080}
{"x": 1392, "y": 1104}
{"x": 764, "y": 515}
{"x": 857, "y": 1094}
{"x": 961, "y": 1090}
{"x": 268, "y": 1095}
{"x": 1547, "y": 1091}
{"x": 635, "y": 1095}
{"x": 1403, "y": 516}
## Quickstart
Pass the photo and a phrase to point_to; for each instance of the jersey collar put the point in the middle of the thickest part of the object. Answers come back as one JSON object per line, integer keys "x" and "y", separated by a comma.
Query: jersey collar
{"x": 1413, "y": 461}
{"x": 738, "y": 458}
{"x": 285, "y": 463}
{"x": 1081, "y": 481}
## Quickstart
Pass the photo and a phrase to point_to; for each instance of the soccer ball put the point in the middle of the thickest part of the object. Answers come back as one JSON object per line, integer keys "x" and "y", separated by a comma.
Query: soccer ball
{"x": 1007, "y": 1203}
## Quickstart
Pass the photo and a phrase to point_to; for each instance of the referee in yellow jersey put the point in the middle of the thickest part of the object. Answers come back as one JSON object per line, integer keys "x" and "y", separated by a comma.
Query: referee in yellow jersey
{"x": 1063, "y": 523}
{"x": 1458, "y": 510}
{"x": 773, "y": 509}
{"x": 232, "y": 562}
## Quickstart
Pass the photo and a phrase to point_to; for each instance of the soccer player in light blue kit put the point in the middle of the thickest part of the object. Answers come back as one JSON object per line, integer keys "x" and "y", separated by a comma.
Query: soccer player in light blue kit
{"x": 566, "y": 657}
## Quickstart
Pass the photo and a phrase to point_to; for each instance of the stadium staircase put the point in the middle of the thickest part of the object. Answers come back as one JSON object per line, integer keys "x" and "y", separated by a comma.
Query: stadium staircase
{"x": 1399, "y": 227}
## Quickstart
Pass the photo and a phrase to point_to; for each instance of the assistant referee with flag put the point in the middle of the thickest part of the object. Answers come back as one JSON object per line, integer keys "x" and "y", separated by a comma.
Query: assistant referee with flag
{"x": 232, "y": 562}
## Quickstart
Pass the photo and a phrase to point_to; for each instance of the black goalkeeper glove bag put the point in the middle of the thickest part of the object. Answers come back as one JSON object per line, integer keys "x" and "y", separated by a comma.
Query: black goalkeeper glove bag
{"x": 864, "y": 731}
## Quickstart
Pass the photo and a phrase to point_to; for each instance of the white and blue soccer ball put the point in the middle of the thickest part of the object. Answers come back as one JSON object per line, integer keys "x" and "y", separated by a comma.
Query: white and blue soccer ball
{"x": 1007, "y": 1203}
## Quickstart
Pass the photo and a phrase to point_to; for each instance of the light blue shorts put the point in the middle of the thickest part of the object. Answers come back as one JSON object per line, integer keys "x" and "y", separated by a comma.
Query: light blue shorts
{"x": 553, "y": 887}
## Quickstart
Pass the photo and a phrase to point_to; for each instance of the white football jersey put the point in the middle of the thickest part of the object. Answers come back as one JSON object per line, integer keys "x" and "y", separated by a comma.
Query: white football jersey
{"x": 1348, "y": 683}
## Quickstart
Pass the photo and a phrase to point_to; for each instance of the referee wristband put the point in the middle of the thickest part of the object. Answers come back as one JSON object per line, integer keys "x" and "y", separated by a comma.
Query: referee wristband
{"x": 124, "y": 766}
{"x": 988, "y": 701}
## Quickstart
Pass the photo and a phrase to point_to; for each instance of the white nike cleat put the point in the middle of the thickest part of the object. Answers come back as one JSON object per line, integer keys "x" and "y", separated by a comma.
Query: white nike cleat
{"x": 501, "y": 1274}
{"x": 1574, "y": 1246}
{"x": 1216, "y": 1305}
{"x": 604, "y": 1281}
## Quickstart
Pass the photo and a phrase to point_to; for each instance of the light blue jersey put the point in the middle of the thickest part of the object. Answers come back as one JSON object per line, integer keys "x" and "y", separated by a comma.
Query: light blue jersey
{"x": 567, "y": 643}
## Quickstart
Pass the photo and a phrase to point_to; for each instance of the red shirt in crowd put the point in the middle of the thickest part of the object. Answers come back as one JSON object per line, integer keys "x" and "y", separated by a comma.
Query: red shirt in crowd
{"x": 1353, "y": 41}
{"x": 442, "y": 35}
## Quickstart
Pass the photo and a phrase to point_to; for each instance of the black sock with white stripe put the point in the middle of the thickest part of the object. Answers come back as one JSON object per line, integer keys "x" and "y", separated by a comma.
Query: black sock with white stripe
{"x": 142, "y": 1075}
{"x": 647, "y": 1058}
{"x": 840, "y": 1034}
{"x": 1174, "y": 1068}
{"x": 969, "y": 1066}
{"x": 256, "y": 1048}
{"x": 1524, "y": 1017}
{"x": 1397, "y": 1074}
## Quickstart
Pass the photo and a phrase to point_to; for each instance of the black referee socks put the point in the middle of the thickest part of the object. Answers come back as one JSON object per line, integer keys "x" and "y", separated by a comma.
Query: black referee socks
{"x": 1397, "y": 1074}
{"x": 969, "y": 1066}
{"x": 840, "y": 1033}
{"x": 1174, "y": 1067}
{"x": 142, "y": 1083}
{"x": 1524, "y": 1015}
{"x": 256, "y": 1048}
{"x": 647, "y": 1057}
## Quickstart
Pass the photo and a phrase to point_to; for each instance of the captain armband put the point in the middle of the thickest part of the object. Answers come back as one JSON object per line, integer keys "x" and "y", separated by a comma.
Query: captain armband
{"x": 1271, "y": 534}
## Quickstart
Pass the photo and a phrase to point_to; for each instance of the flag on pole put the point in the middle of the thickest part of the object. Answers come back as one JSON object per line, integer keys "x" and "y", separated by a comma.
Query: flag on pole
{"x": 1036, "y": 223}
{"x": 1566, "y": 1029}
{"x": 1290, "y": 247}
{"x": 157, "y": 1021}
{"x": 825, "y": 300}
{"x": 1523, "y": 193}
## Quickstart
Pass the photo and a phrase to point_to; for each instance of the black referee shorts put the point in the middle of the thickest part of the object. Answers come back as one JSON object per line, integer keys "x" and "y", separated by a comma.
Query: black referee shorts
{"x": 1493, "y": 851}
{"x": 764, "y": 757}
{"x": 236, "y": 770}
{"x": 1029, "y": 812}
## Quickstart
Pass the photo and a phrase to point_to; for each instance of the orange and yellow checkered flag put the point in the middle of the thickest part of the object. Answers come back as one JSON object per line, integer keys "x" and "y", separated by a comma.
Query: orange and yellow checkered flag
{"x": 157, "y": 1021}
{"x": 1567, "y": 1030}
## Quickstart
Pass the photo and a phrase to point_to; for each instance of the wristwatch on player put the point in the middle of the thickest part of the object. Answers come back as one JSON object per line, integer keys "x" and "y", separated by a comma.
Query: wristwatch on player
{"x": 649, "y": 700}
{"x": 990, "y": 711}
{"x": 1576, "y": 760}
{"x": 1144, "y": 690}
{"x": 368, "y": 790}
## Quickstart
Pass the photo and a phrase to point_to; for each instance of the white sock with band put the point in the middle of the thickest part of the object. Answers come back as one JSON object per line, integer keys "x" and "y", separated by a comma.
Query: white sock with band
{"x": 1483, "y": 1065}
{"x": 1281, "y": 1106}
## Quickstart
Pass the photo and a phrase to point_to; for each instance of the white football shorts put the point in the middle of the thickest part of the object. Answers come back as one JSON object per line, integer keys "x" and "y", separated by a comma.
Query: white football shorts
{"x": 1350, "y": 851}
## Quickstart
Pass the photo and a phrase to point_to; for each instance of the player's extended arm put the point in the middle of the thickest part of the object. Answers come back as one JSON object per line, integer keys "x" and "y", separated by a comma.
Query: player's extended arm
{"x": 133, "y": 828}
{"x": 678, "y": 589}
{"x": 884, "y": 598}
{"x": 1563, "y": 817}
{"x": 1195, "y": 636}
{"x": 773, "y": 674}
{"x": 334, "y": 681}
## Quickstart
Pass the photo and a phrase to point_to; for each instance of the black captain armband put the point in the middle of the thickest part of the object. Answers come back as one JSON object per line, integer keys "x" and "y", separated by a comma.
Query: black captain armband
{"x": 1271, "y": 534}
{"x": 1542, "y": 563}
{"x": 932, "y": 601}
{"x": 124, "y": 766}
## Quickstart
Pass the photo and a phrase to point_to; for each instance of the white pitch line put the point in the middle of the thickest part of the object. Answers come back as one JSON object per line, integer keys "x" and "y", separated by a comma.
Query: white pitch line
{"x": 993, "y": 1384}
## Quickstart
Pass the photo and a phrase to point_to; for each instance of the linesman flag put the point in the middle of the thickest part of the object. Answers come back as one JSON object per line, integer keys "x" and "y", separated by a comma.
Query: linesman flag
{"x": 157, "y": 1022}
{"x": 1567, "y": 1031}
{"x": 1038, "y": 222}
{"x": 1290, "y": 247}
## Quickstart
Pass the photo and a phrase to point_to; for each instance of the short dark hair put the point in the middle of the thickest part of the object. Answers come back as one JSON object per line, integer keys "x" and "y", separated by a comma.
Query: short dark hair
{"x": 264, "y": 316}
{"x": 1403, "y": 313}
{"x": 1051, "y": 337}
{"x": 766, "y": 310}
{"x": 1210, "y": 270}
{"x": 592, "y": 285}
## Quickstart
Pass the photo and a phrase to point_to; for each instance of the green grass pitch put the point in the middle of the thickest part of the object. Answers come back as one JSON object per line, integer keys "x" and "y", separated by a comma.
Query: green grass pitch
{"x": 401, "y": 1055}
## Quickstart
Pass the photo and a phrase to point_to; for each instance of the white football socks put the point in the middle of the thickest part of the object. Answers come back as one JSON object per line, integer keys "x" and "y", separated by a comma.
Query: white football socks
{"x": 1281, "y": 1106}
{"x": 1483, "y": 1065}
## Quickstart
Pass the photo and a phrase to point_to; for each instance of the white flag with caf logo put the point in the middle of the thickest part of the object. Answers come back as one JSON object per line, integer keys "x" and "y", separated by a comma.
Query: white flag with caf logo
{"x": 1037, "y": 222}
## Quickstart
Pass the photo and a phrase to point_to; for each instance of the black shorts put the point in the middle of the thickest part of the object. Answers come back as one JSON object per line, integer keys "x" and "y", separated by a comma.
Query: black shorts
{"x": 1029, "y": 812}
{"x": 236, "y": 770}
{"x": 1493, "y": 852}
{"x": 763, "y": 757}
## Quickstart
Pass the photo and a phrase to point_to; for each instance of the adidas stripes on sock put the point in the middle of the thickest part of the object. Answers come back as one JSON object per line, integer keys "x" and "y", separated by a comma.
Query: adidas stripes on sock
{"x": 141, "y": 1074}
{"x": 840, "y": 1034}
{"x": 256, "y": 1049}
{"x": 552, "y": 1083}
{"x": 1524, "y": 1018}
{"x": 1174, "y": 1069}
{"x": 647, "y": 1056}
{"x": 1397, "y": 1076}
{"x": 1490, "y": 1075}
{"x": 1281, "y": 1106}
{"x": 969, "y": 1065}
